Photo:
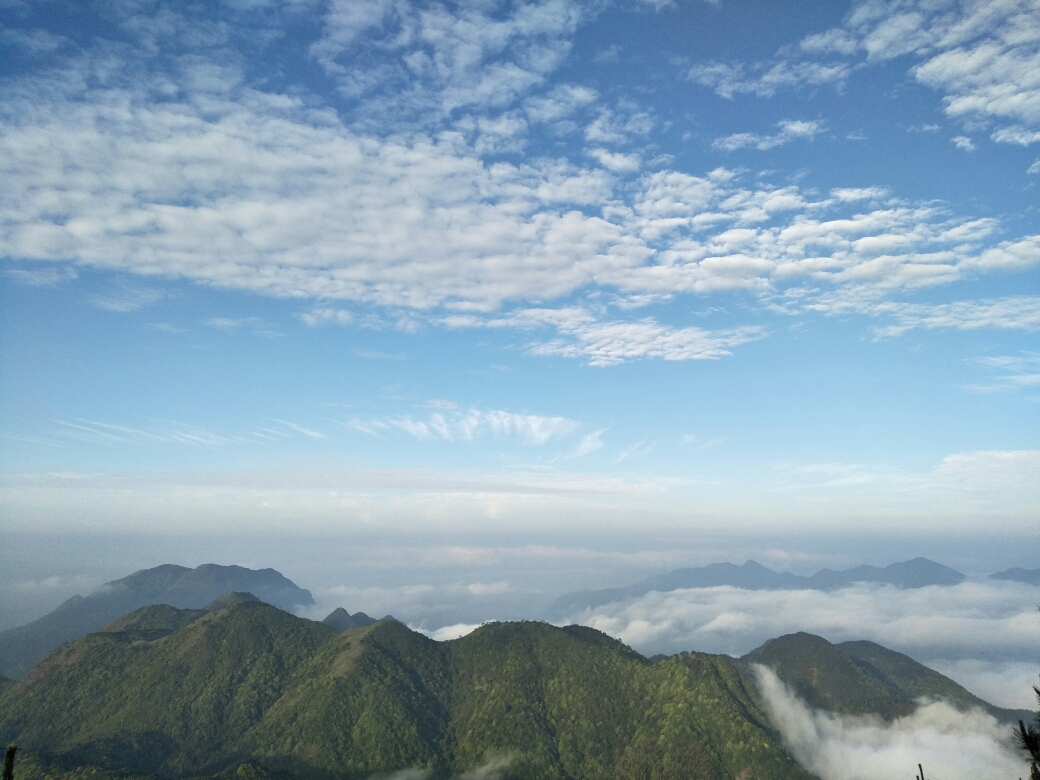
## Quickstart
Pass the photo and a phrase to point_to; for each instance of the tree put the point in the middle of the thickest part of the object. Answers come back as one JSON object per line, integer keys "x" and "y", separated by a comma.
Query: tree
{"x": 1028, "y": 738}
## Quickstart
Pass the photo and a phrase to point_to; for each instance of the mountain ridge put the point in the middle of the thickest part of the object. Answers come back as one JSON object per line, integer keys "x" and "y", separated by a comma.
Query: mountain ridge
{"x": 915, "y": 573}
{"x": 860, "y": 677}
{"x": 251, "y": 685}
{"x": 177, "y": 586}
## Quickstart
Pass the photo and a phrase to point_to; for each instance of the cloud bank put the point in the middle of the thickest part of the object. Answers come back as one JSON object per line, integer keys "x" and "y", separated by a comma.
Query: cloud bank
{"x": 949, "y": 744}
{"x": 934, "y": 625}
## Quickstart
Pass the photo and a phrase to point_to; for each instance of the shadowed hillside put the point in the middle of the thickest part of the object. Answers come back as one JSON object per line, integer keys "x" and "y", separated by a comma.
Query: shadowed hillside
{"x": 251, "y": 689}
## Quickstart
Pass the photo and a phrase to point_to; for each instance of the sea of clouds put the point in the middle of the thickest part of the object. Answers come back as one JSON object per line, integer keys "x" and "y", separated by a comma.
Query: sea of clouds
{"x": 985, "y": 634}
{"x": 946, "y": 743}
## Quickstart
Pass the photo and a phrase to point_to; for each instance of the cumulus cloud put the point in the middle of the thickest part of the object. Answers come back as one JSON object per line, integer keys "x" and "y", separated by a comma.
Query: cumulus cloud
{"x": 963, "y": 143}
{"x": 950, "y": 744}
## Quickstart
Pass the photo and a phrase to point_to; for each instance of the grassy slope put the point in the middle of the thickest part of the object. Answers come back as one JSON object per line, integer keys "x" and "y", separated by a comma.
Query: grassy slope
{"x": 250, "y": 683}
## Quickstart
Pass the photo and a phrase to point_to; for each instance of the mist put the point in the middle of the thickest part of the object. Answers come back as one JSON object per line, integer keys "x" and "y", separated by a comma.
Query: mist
{"x": 949, "y": 744}
{"x": 983, "y": 633}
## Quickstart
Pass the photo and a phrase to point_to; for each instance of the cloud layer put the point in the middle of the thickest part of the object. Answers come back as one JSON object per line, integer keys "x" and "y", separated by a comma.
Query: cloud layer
{"x": 974, "y": 620}
{"x": 173, "y": 162}
{"x": 949, "y": 744}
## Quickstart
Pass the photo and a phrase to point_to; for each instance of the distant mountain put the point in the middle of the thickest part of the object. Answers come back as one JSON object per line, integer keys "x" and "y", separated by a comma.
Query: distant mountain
{"x": 249, "y": 692}
{"x": 916, "y": 573}
{"x": 1029, "y": 576}
{"x": 177, "y": 586}
{"x": 860, "y": 677}
{"x": 341, "y": 620}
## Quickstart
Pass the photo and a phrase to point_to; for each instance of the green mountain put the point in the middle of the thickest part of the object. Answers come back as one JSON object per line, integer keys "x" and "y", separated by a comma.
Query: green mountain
{"x": 861, "y": 677}
{"x": 177, "y": 586}
{"x": 253, "y": 692}
{"x": 916, "y": 573}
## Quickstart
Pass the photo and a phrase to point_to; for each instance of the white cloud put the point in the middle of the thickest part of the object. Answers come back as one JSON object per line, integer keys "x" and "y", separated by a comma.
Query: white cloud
{"x": 527, "y": 429}
{"x": 1012, "y": 313}
{"x": 853, "y": 194}
{"x": 980, "y": 56}
{"x": 963, "y": 143}
{"x": 765, "y": 79}
{"x": 615, "y": 161}
{"x": 297, "y": 201}
{"x": 446, "y": 633}
{"x": 981, "y": 621}
{"x": 231, "y": 324}
{"x": 1009, "y": 373}
{"x": 442, "y": 60}
{"x": 325, "y": 316}
{"x": 559, "y": 103}
{"x": 589, "y": 444}
{"x": 46, "y": 276}
{"x": 948, "y": 743}
{"x": 310, "y": 433}
{"x": 126, "y": 298}
{"x": 1035, "y": 167}
{"x": 610, "y": 343}
{"x": 790, "y": 130}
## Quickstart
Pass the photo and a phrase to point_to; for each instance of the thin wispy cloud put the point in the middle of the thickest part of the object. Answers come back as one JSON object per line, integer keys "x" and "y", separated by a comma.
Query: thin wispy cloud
{"x": 790, "y": 130}
{"x": 471, "y": 425}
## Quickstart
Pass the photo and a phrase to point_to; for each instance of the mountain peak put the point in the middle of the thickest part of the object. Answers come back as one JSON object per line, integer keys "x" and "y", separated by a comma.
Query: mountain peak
{"x": 177, "y": 586}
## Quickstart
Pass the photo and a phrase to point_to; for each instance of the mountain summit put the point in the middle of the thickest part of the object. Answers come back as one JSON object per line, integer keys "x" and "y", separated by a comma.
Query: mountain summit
{"x": 177, "y": 586}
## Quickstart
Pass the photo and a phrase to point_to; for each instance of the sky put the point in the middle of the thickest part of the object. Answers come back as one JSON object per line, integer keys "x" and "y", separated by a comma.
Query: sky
{"x": 496, "y": 300}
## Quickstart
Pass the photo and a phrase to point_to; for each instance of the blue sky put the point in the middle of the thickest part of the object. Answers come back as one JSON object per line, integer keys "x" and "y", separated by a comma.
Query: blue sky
{"x": 314, "y": 267}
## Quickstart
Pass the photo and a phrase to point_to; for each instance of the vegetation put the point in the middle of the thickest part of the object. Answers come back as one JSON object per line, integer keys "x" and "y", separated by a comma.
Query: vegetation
{"x": 1028, "y": 737}
{"x": 24, "y": 646}
{"x": 861, "y": 677}
{"x": 249, "y": 692}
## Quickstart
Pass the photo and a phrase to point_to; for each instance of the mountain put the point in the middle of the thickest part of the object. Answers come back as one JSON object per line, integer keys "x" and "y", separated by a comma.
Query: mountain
{"x": 915, "y": 573}
{"x": 860, "y": 677}
{"x": 341, "y": 620}
{"x": 253, "y": 692}
{"x": 177, "y": 586}
{"x": 1028, "y": 576}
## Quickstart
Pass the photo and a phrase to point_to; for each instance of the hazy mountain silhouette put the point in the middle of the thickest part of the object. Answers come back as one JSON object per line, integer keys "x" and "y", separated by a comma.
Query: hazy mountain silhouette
{"x": 177, "y": 586}
{"x": 1029, "y": 576}
{"x": 915, "y": 573}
